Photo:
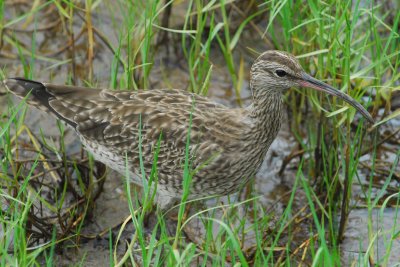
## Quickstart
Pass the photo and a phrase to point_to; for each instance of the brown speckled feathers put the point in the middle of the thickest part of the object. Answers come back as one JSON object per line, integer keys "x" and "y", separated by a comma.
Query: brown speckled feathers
{"x": 226, "y": 147}
{"x": 108, "y": 123}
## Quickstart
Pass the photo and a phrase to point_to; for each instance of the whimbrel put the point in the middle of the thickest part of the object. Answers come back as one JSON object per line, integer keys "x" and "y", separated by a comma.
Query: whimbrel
{"x": 227, "y": 145}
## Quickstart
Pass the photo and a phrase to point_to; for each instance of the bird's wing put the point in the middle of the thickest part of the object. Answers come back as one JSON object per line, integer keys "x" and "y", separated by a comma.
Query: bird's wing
{"x": 114, "y": 118}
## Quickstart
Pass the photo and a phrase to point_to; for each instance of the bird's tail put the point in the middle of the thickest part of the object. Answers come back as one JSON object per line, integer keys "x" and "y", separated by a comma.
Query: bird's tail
{"x": 62, "y": 101}
{"x": 35, "y": 93}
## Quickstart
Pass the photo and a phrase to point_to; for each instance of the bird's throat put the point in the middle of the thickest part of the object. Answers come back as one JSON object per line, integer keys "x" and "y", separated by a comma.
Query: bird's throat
{"x": 267, "y": 112}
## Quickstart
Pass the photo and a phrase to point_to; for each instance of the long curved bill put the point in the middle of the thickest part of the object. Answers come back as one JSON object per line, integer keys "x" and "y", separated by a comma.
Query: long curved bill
{"x": 309, "y": 81}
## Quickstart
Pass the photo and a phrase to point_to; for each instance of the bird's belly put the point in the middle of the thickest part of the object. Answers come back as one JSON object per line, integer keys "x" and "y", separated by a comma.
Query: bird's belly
{"x": 226, "y": 175}
{"x": 114, "y": 161}
{"x": 223, "y": 176}
{"x": 111, "y": 159}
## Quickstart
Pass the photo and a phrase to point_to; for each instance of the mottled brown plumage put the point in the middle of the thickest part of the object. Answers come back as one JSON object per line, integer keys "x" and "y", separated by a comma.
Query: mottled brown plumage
{"x": 227, "y": 145}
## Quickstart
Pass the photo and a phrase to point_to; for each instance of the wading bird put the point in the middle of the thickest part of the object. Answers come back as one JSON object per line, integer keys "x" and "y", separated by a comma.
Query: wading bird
{"x": 227, "y": 145}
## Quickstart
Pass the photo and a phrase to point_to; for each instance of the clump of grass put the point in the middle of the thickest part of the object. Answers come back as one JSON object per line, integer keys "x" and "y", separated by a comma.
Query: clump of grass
{"x": 351, "y": 46}
{"x": 351, "y": 55}
{"x": 42, "y": 188}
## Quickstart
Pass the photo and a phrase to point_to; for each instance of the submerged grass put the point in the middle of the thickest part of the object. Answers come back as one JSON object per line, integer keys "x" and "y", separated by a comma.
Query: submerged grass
{"x": 352, "y": 45}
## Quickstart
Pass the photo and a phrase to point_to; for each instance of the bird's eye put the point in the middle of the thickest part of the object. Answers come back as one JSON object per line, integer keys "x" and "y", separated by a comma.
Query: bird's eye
{"x": 280, "y": 73}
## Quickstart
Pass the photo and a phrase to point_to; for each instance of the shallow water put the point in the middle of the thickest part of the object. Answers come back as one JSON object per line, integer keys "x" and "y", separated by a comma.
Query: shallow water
{"x": 385, "y": 224}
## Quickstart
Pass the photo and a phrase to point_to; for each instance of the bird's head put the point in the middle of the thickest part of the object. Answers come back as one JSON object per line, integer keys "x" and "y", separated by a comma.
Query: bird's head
{"x": 277, "y": 71}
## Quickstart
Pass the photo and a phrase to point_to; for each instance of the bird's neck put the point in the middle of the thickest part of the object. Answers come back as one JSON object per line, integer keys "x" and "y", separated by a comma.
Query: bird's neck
{"x": 262, "y": 126}
{"x": 266, "y": 114}
{"x": 266, "y": 105}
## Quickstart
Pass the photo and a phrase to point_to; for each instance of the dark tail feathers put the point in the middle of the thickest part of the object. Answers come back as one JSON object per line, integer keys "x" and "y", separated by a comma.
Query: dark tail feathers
{"x": 36, "y": 94}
